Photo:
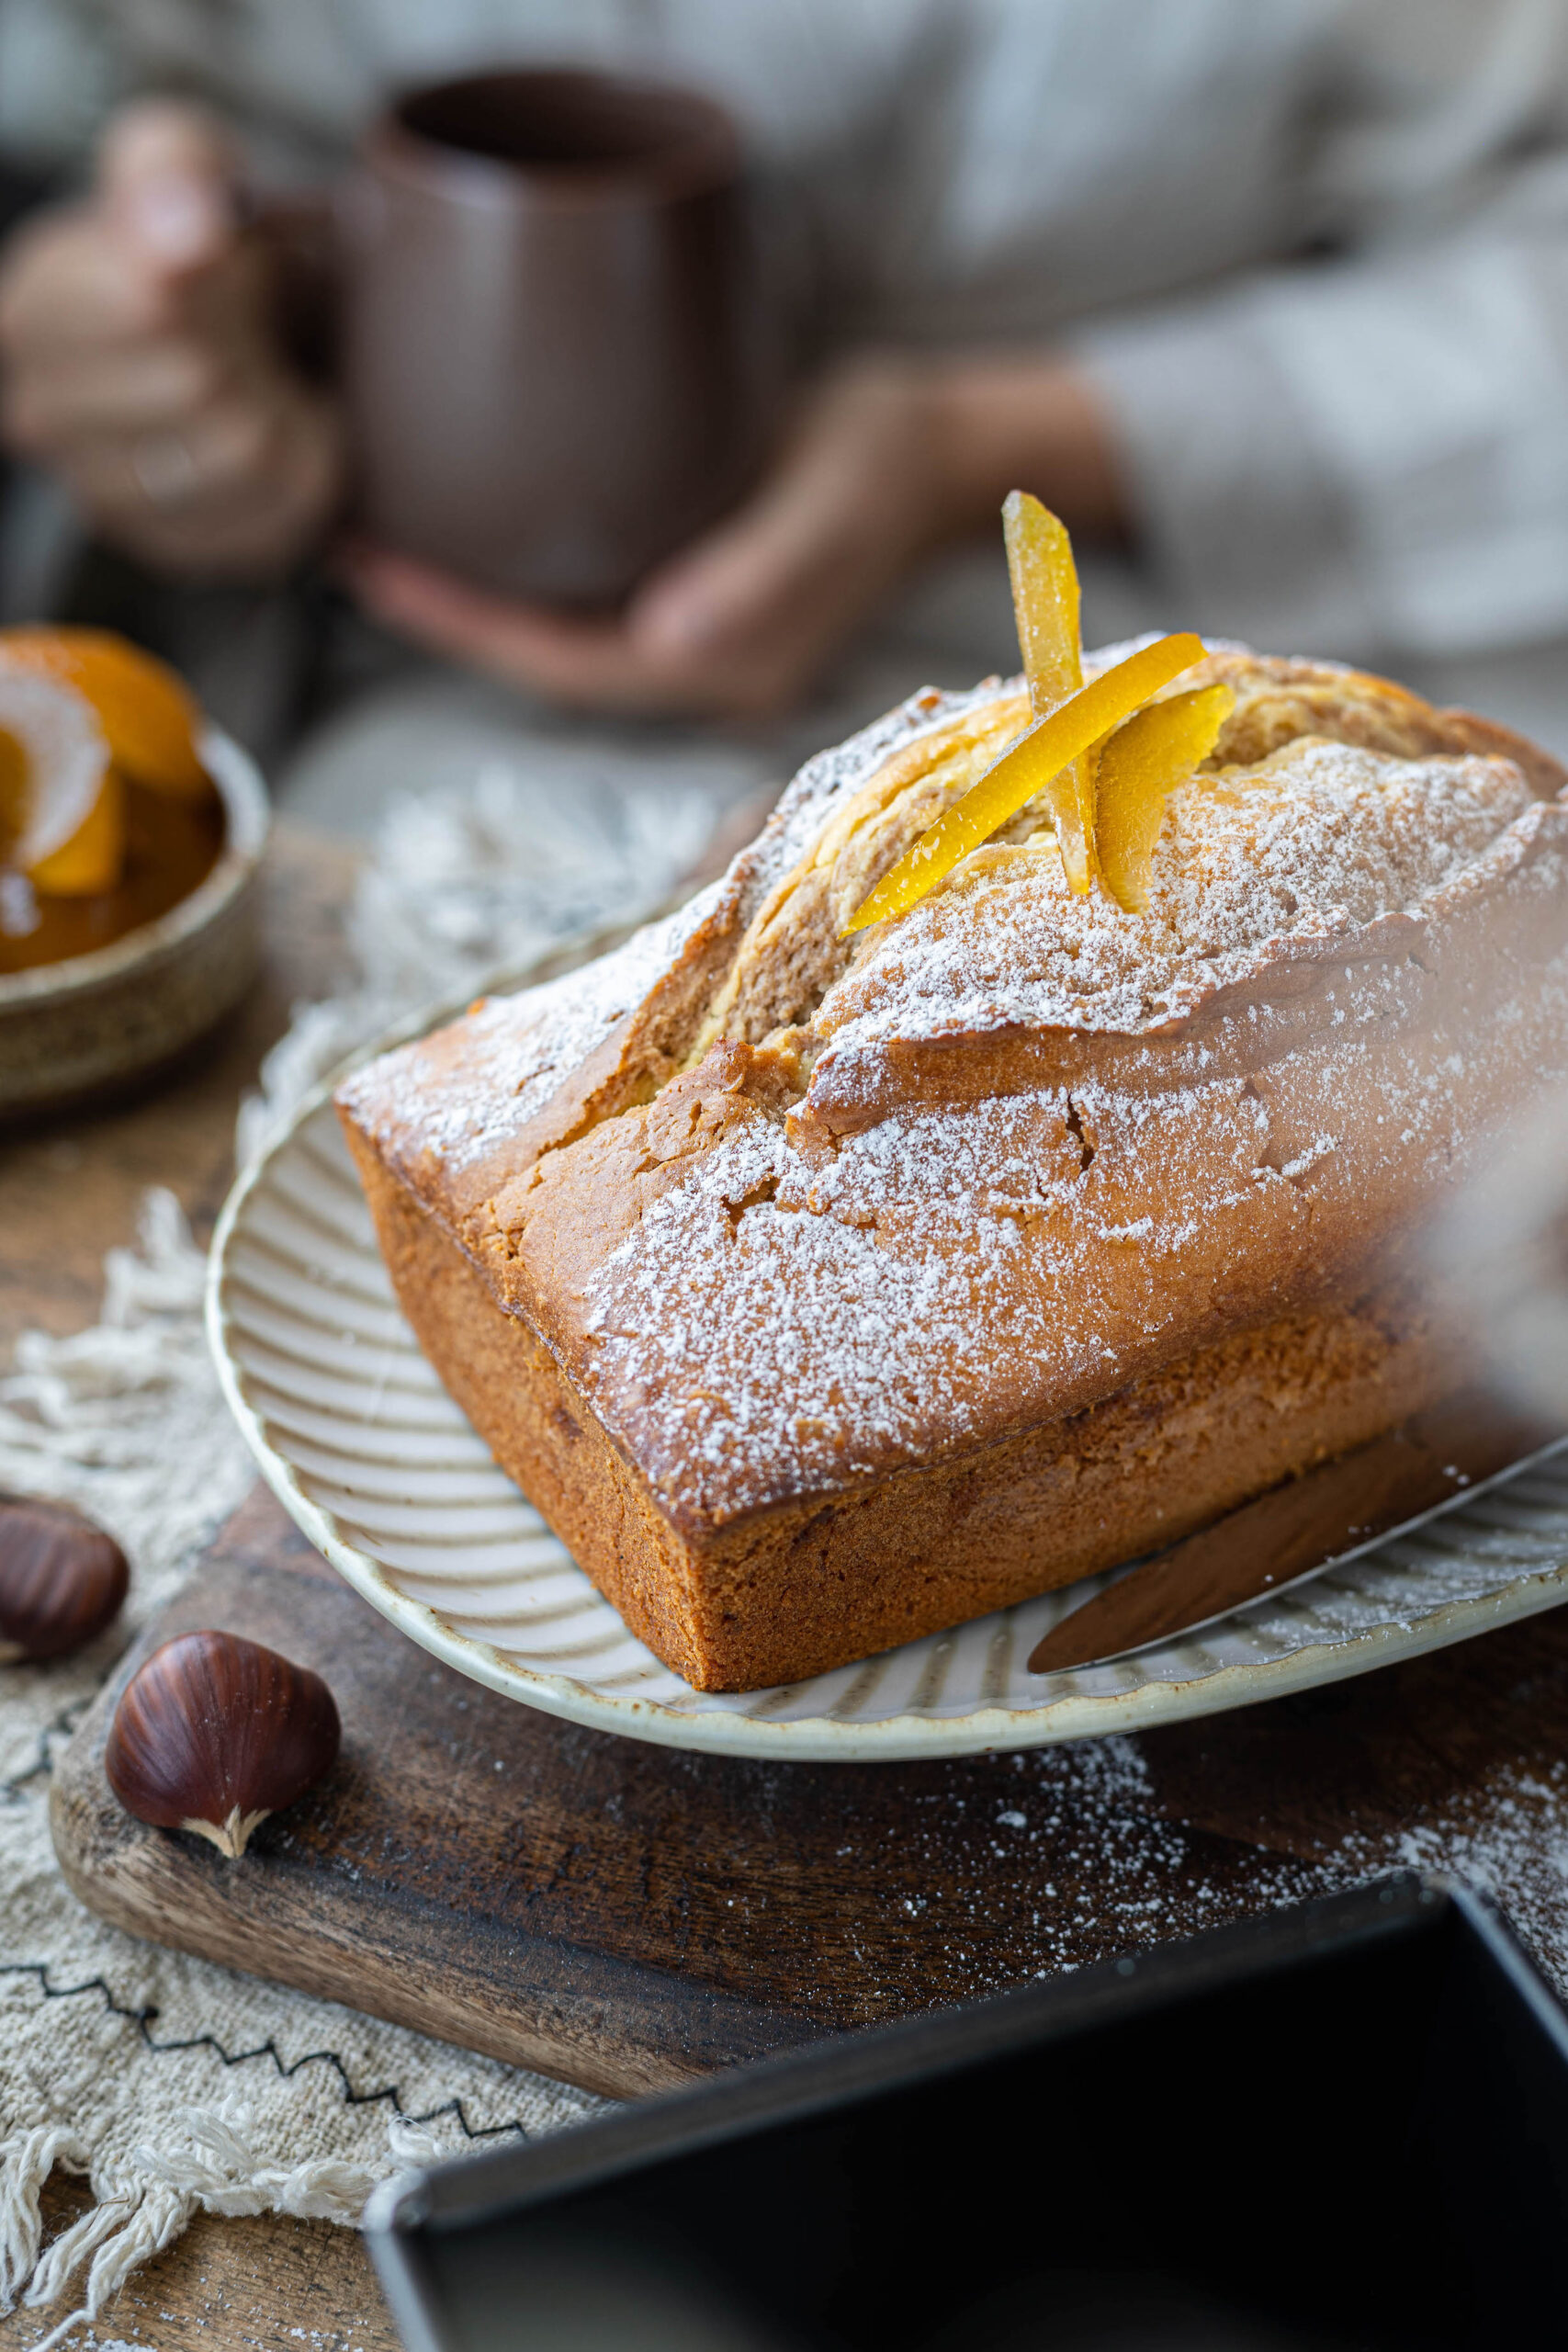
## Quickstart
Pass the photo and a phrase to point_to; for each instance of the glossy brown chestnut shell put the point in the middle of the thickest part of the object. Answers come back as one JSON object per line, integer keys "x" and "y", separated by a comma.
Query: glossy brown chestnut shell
{"x": 212, "y": 1733}
{"x": 61, "y": 1578}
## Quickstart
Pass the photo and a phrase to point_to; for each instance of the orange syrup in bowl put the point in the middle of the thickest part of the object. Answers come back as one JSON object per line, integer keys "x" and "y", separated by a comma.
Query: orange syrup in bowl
{"x": 107, "y": 818}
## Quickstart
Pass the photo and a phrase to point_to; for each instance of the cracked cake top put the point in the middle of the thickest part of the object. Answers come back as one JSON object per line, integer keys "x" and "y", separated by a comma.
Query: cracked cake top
{"x": 793, "y": 1209}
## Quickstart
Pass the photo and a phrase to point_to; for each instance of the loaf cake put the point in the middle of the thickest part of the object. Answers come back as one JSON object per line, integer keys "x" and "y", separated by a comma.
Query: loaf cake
{"x": 823, "y": 1289}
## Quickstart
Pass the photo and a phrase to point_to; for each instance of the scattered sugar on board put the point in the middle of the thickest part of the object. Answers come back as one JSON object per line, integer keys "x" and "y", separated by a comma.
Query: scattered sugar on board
{"x": 1064, "y": 1862}
{"x": 1085, "y": 1862}
{"x": 1508, "y": 1838}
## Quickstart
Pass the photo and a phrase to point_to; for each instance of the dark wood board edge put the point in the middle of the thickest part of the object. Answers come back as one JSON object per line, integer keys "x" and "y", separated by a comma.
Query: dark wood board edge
{"x": 629, "y": 1918}
{"x": 588, "y": 2017}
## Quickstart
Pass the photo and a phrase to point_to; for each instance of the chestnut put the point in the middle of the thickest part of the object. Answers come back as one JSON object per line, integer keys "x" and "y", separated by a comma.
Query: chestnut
{"x": 61, "y": 1578}
{"x": 212, "y": 1733}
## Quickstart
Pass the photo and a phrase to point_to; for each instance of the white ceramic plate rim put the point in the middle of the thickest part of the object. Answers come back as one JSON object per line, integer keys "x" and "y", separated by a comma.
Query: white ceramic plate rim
{"x": 249, "y": 817}
{"x": 894, "y": 1738}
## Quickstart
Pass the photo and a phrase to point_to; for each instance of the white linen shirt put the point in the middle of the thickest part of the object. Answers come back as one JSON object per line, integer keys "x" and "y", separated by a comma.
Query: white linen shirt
{"x": 1314, "y": 252}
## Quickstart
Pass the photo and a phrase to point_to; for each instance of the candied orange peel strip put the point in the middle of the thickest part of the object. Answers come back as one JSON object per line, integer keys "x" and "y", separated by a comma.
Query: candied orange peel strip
{"x": 1139, "y": 765}
{"x": 1045, "y": 607}
{"x": 1044, "y": 600}
{"x": 1024, "y": 769}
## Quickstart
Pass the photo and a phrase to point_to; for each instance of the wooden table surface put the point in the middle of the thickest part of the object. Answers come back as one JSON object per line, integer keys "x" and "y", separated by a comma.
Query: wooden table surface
{"x": 1459, "y": 1758}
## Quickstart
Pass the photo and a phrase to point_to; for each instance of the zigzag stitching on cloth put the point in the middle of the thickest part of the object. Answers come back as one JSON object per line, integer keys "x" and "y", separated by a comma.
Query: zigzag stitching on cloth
{"x": 264, "y": 2050}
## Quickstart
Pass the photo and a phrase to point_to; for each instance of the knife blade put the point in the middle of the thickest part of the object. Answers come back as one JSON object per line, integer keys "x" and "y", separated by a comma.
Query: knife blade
{"x": 1321, "y": 1520}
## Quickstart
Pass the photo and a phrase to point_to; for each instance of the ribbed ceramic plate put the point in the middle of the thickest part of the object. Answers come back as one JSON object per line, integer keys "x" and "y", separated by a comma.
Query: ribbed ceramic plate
{"x": 385, "y": 1475}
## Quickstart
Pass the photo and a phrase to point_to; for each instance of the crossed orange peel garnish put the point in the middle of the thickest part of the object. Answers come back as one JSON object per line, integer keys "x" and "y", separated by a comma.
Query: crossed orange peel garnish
{"x": 1102, "y": 761}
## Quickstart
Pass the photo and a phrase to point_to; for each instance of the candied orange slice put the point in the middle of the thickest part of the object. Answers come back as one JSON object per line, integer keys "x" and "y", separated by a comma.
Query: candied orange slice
{"x": 146, "y": 712}
{"x": 1045, "y": 607}
{"x": 1140, "y": 764}
{"x": 62, "y": 800}
{"x": 14, "y": 772}
{"x": 92, "y": 860}
{"x": 1025, "y": 768}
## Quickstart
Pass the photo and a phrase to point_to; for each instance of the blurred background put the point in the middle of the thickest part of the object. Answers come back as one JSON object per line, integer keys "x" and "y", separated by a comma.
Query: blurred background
{"x": 1268, "y": 299}
{"x": 533, "y": 477}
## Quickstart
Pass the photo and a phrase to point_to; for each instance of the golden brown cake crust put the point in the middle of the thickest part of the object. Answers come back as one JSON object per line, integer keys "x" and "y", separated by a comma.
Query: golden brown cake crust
{"x": 794, "y": 1227}
{"x": 804, "y": 1587}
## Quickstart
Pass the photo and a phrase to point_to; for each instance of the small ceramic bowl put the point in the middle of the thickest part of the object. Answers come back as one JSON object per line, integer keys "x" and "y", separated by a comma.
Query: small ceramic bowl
{"x": 94, "y": 1024}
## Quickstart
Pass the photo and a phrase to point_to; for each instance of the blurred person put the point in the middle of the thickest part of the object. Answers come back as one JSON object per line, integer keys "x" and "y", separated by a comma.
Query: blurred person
{"x": 1266, "y": 298}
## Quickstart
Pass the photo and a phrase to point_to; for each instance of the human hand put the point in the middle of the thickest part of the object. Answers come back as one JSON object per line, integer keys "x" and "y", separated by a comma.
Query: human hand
{"x": 888, "y": 459}
{"x": 138, "y": 362}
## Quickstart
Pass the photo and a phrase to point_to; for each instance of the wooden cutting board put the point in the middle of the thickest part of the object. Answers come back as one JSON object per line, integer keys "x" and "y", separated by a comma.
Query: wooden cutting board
{"x": 620, "y": 1915}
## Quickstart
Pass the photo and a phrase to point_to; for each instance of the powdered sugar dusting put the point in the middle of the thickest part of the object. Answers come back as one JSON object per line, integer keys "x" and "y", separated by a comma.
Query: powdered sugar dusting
{"x": 779, "y": 1325}
{"x": 820, "y": 1346}
{"x": 1508, "y": 1838}
{"x": 463, "y": 1092}
{"x": 1314, "y": 844}
{"x": 468, "y": 1089}
{"x": 779, "y": 1322}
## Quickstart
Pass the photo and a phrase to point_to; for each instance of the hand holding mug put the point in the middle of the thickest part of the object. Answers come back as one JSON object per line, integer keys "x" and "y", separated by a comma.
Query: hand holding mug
{"x": 139, "y": 361}
{"x": 737, "y": 623}
{"x": 889, "y": 457}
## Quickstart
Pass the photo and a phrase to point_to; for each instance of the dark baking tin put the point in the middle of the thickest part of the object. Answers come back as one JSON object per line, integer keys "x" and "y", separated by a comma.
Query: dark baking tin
{"x": 1345, "y": 2123}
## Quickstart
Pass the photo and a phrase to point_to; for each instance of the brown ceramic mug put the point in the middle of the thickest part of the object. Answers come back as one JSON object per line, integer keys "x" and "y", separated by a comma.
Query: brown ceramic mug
{"x": 553, "y": 345}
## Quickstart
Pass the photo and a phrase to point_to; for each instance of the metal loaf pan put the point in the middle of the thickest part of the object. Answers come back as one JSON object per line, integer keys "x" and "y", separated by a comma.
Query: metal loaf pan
{"x": 1342, "y": 2124}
